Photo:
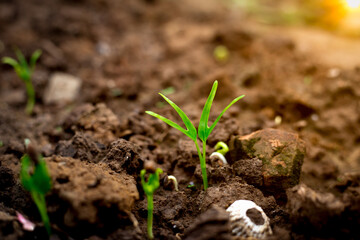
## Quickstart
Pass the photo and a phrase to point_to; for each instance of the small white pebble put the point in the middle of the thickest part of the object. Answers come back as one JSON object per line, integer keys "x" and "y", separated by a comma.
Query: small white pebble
{"x": 333, "y": 73}
{"x": 314, "y": 117}
{"x": 278, "y": 120}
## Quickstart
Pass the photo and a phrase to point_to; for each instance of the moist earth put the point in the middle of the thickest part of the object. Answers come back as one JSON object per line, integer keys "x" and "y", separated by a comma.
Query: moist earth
{"x": 294, "y": 138}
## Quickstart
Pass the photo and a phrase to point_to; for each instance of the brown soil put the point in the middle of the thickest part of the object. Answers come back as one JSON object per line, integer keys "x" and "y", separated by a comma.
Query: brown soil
{"x": 127, "y": 51}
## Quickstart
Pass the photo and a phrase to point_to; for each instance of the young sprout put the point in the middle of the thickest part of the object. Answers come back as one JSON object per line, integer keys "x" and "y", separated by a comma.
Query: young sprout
{"x": 24, "y": 71}
{"x": 173, "y": 179}
{"x": 35, "y": 178}
{"x": 221, "y": 149}
{"x": 192, "y": 186}
{"x": 221, "y": 54}
{"x": 149, "y": 188}
{"x": 203, "y": 131}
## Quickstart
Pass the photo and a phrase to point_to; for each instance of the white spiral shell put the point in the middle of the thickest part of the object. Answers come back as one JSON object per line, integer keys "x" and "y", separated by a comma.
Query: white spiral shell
{"x": 244, "y": 225}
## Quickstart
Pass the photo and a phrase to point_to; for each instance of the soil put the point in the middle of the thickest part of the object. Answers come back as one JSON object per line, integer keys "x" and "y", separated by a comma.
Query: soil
{"x": 125, "y": 52}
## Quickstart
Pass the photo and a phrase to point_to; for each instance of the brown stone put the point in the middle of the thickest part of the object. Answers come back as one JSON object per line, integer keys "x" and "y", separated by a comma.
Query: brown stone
{"x": 282, "y": 154}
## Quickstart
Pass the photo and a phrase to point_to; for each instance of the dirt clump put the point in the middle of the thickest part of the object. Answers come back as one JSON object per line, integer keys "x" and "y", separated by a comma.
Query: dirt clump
{"x": 80, "y": 146}
{"x": 92, "y": 193}
{"x": 213, "y": 224}
{"x": 97, "y": 121}
{"x": 124, "y": 155}
{"x": 316, "y": 212}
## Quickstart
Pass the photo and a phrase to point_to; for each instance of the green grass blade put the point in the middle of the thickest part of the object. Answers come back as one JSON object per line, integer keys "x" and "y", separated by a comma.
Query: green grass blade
{"x": 203, "y": 129}
{"x": 12, "y": 62}
{"x": 171, "y": 123}
{"x": 191, "y": 130}
{"x": 21, "y": 59}
{"x": 34, "y": 57}
{"x": 218, "y": 118}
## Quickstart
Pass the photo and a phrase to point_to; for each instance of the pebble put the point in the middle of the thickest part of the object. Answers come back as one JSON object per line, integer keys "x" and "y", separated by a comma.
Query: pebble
{"x": 62, "y": 88}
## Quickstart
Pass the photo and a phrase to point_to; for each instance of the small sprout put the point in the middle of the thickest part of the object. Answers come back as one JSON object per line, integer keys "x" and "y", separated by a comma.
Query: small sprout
{"x": 24, "y": 70}
{"x": 173, "y": 179}
{"x": 149, "y": 187}
{"x": 221, "y": 54}
{"x": 203, "y": 131}
{"x": 35, "y": 178}
{"x": 26, "y": 224}
{"x": 116, "y": 92}
{"x": 191, "y": 185}
{"x": 219, "y": 156}
{"x": 221, "y": 149}
{"x": 307, "y": 80}
{"x": 1, "y": 143}
{"x": 168, "y": 91}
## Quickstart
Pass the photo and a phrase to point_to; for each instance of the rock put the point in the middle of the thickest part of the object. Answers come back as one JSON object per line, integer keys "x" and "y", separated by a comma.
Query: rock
{"x": 62, "y": 88}
{"x": 312, "y": 210}
{"x": 214, "y": 224}
{"x": 98, "y": 121}
{"x": 89, "y": 190}
{"x": 282, "y": 155}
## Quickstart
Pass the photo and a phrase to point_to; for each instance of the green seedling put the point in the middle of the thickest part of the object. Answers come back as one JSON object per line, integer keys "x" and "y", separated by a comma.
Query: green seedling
{"x": 1, "y": 143}
{"x": 35, "y": 178}
{"x": 191, "y": 185}
{"x": 203, "y": 131}
{"x": 24, "y": 70}
{"x": 221, "y": 54}
{"x": 221, "y": 147}
{"x": 220, "y": 150}
{"x": 149, "y": 187}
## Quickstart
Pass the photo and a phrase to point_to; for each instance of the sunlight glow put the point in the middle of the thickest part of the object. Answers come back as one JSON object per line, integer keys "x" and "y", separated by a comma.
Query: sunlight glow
{"x": 353, "y": 4}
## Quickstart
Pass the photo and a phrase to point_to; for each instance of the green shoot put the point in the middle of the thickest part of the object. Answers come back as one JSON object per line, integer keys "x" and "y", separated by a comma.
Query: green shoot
{"x": 36, "y": 179}
{"x": 221, "y": 54}
{"x": 24, "y": 71}
{"x": 203, "y": 130}
{"x": 149, "y": 187}
{"x": 1, "y": 143}
{"x": 221, "y": 148}
{"x": 191, "y": 185}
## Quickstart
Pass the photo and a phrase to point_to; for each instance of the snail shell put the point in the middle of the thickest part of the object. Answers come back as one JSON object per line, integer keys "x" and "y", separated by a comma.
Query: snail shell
{"x": 248, "y": 220}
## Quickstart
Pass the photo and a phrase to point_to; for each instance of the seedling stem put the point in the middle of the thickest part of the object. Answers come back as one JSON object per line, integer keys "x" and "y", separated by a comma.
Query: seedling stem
{"x": 149, "y": 187}
{"x": 24, "y": 70}
{"x": 203, "y": 131}
{"x": 38, "y": 183}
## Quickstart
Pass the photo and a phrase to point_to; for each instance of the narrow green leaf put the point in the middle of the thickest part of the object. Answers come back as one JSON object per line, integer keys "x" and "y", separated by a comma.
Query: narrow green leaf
{"x": 203, "y": 124}
{"x": 24, "y": 172}
{"x": 218, "y": 118}
{"x": 191, "y": 130}
{"x": 34, "y": 57}
{"x": 171, "y": 123}
{"x": 21, "y": 59}
{"x": 8, "y": 60}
